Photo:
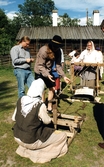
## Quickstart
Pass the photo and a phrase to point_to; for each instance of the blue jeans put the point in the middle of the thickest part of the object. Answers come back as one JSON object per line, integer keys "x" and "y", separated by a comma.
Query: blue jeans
{"x": 23, "y": 77}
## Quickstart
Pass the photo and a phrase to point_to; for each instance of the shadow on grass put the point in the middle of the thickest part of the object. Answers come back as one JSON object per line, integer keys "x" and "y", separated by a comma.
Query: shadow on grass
{"x": 7, "y": 95}
{"x": 102, "y": 82}
{"x": 98, "y": 112}
{"x": 64, "y": 98}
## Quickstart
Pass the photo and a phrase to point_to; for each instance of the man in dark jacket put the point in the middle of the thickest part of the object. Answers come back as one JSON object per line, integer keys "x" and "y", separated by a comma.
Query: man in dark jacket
{"x": 46, "y": 56}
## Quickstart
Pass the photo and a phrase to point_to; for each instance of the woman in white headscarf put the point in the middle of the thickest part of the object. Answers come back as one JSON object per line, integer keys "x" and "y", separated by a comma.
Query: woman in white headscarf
{"x": 37, "y": 141}
{"x": 89, "y": 55}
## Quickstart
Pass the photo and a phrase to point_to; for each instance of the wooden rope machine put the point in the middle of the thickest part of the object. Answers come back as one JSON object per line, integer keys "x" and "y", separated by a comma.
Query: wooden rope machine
{"x": 97, "y": 65}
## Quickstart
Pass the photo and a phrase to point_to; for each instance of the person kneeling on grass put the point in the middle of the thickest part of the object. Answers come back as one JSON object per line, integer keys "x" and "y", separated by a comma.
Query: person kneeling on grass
{"x": 37, "y": 140}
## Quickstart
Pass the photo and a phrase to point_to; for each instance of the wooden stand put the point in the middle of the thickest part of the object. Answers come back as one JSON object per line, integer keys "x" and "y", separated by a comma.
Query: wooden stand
{"x": 86, "y": 64}
{"x": 68, "y": 123}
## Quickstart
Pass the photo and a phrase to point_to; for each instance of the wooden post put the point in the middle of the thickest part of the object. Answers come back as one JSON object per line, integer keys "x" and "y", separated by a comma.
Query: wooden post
{"x": 72, "y": 76}
{"x": 97, "y": 80}
{"x": 43, "y": 96}
{"x": 55, "y": 113}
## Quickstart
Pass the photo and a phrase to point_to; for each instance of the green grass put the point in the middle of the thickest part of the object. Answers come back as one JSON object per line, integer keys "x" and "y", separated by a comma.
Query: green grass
{"x": 83, "y": 151}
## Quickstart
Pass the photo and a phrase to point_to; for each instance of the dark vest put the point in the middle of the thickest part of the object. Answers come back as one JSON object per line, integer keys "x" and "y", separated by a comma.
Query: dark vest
{"x": 29, "y": 129}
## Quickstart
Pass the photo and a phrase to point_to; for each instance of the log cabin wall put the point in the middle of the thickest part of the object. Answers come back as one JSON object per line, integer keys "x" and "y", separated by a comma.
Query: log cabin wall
{"x": 72, "y": 36}
{"x": 70, "y": 44}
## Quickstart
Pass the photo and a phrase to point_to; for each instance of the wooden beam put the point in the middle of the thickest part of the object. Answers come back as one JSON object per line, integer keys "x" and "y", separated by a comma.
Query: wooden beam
{"x": 87, "y": 64}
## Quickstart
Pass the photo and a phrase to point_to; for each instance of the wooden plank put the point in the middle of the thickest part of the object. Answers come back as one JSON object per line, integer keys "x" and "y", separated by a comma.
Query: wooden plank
{"x": 68, "y": 123}
{"x": 101, "y": 92}
{"x": 70, "y": 139}
{"x": 87, "y": 64}
{"x": 97, "y": 99}
{"x": 73, "y": 117}
{"x": 71, "y": 122}
{"x": 69, "y": 134}
{"x": 55, "y": 113}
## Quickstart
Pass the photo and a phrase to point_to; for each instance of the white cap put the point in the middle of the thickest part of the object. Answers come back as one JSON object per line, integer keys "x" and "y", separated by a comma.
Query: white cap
{"x": 36, "y": 88}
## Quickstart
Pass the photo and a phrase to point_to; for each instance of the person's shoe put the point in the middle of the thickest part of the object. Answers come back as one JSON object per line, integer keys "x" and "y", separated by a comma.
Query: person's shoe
{"x": 50, "y": 112}
{"x": 101, "y": 145}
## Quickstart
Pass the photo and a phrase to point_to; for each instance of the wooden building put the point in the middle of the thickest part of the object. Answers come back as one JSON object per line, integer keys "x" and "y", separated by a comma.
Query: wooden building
{"x": 72, "y": 36}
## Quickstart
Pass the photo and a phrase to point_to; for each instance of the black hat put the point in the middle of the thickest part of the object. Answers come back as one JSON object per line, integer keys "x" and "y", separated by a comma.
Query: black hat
{"x": 57, "y": 41}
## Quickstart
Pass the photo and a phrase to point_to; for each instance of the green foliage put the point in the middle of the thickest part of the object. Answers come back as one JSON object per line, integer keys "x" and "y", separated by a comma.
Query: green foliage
{"x": 35, "y": 13}
{"x": 89, "y": 22}
{"x": 13, "y": 28}
{"x": 8, "y": 31}
{"x": 67, "y": 21}
{"x": 3, "y": 20}
{"x": 32, "y": 13}
{"x": 5, "y": 44}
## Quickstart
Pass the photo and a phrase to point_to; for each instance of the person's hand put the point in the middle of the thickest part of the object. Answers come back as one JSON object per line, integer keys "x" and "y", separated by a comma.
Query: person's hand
{"x": 32, "y": 59}
{"x": 50, "y": 77}
{"x": 28, "y": 60}
{"x": 67, "y": 80}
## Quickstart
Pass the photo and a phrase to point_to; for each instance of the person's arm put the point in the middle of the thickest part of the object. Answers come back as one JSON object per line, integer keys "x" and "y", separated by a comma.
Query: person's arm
{"x": 60, "y": 70}
{"x": 61, "y": 73}
{"x": 62, "y": 56}
{"x": 42, "y": 66}
{"x": 73, "y": 59}
{"x": 71, "y": 54}
{"x": 40, "y": 63}
{"x": 43, "y": 116}
{"x": 14, "y": 114}
{"x": 15, "y": 55}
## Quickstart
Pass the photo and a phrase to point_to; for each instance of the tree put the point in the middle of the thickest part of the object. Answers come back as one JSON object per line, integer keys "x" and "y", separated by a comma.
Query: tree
{"x": 3, "y": 19}
{"x": 5, "y": 44}
{"x": 89, "y": 22}
{"x": 5, "y": 40}
{"x": 8, "y": 31}
{"x": 13, "y": 28}
{"x": 36, "y": 13}
{"x": 65, "y": 20}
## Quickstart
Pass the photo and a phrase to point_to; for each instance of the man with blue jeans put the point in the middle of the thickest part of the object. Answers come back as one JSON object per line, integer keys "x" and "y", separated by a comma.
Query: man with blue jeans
{"x": 21, "y": 61}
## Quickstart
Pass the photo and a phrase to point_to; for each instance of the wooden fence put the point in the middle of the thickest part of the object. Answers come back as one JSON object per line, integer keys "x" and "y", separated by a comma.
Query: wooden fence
{"x": 5, "y": 60}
